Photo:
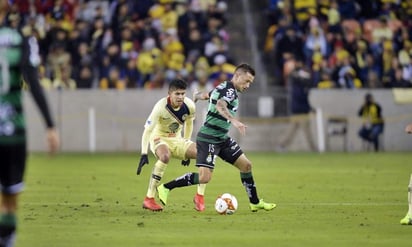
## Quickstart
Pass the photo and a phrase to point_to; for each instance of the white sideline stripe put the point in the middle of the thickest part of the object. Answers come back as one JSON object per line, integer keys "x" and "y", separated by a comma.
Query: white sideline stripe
{"x": 344, "y": 203}
{"x": 278, "y": 203}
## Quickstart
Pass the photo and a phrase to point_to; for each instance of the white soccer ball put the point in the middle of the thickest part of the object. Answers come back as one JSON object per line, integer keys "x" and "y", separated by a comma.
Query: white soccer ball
{"x": 226, "y": 204}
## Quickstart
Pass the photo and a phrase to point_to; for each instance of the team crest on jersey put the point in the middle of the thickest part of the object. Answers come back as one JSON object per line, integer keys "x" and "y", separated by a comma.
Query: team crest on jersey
{"x": 230, "y": 94}
{"x": 173, "y": 127}
{"x": 184, "y": 117}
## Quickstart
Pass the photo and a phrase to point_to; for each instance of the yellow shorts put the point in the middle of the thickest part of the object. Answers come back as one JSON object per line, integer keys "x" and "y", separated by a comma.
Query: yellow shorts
{"x": 177, "y": 145}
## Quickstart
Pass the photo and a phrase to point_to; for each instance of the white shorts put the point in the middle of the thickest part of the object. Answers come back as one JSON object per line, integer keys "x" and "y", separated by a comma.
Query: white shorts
{"x": 177, "y": 145}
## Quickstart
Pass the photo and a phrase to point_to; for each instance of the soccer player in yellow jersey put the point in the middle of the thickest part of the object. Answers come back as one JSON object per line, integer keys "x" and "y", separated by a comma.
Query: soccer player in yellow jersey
{"x": 163, "y": 131}
{"x": 407, "y": 220}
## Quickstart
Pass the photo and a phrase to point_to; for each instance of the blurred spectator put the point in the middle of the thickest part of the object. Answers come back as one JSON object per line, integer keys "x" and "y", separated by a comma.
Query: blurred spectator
{"x": 169, "y": 17}
{"x": 201, "y": 83}
{"x": 64, "y": 80}
{"x": 131, "y": 75}
{"x": 299, "y": 84}
{"x": 195, "y": 43}
{"x": 57, "y": 58}
{"x": 290, "y": 43}
{"x": 348, "y": 9}
{"x": 303, "y": 9}
{"x": 379, "y": 34}
{"x": 333, "y": 17}
{"x": 372, "y": 121}
{"x": 45, "y": 81}
{"x": 149, "y": 60}
{"x": 214, "y": 46}
{"x": 85, "y": 78}
{"x": 347, "y": 77}
{"x": 113, "y": 80}
{"x": 222, "y": 70}
{"x": 315, "y": 41}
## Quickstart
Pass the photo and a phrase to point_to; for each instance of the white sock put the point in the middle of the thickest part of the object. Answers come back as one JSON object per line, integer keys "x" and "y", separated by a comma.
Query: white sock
{"x": 410, "y": 196}
{"x": 157, "y": 174}
{"x": 201, "y": 189}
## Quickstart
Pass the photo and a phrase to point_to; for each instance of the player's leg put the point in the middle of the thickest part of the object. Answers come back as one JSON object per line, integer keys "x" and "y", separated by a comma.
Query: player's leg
{"x": 376, "y": 130}
{"x": 290, "y": 134}
{"x": 163, "y": 154}
{"x": 8, "y": 219}
{"x": 233, "y": 154}
{"x": 198, "y": 199}
{"x": 407, "y": 220}
{"x": 307, "y": 130}
{"x": 205, "y": 162}
{"x": 11, "y": 184}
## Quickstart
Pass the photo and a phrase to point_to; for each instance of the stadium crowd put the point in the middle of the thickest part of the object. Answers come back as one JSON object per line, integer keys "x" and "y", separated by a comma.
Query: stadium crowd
{"x": 144, "y": 44}
{"x": 344, "y": 43}
{"x": 126, "y": 43}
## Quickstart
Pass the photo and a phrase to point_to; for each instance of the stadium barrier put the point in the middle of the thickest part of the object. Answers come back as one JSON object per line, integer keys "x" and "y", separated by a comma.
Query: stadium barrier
{"x": 112, "y": 121}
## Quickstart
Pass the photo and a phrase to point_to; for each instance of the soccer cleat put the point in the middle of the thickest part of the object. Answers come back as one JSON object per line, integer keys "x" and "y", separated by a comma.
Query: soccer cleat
{"x": 150, "y": 203}
{"x": 262, "y": 205}
{"x": 407, "y": 220}
{"x": 163, "y": 193}
{"x": 199, "y": 201}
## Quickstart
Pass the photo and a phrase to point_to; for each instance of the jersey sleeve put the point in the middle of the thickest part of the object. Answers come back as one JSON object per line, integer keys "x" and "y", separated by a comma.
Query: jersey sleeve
{"x": 149, "y": 125}
{"x": 188, "y": 126}
{"x": 227, "y": 93}
{"x": 29, "y": 65}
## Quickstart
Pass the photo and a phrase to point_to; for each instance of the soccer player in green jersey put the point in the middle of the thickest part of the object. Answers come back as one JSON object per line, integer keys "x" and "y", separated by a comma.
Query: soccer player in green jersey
{"x": 163, "y": 131}
{"x": 213, "y": 140}
{"x": 19, "y": 59}
{"x": 407, "y": 220}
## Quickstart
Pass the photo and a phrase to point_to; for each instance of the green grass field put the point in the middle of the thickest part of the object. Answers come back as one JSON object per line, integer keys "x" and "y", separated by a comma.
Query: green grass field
{"x": 356, "y": 199}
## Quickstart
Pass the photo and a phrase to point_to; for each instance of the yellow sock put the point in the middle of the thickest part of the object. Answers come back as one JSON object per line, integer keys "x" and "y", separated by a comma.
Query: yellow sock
{"x": 410, "y": 196}
{"x": 201, "y": 189}
{"x": 157, "y": 174}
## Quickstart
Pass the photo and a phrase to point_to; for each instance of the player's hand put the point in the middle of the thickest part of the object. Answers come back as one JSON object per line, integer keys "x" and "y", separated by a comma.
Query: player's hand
{"x": 53, "y": 140}
{"x": 200, "y": 96}
{"x": 186, "y": 162}
{"x": 408, "y": 129}
{"x": 143, "y": 161}
{"x": 240, "y": 126}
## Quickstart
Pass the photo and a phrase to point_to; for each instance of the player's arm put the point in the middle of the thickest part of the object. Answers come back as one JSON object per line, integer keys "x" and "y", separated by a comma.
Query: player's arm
{"x": 148, "y": 129}
{"x": 188, "y": 128}
{"x": 201, "y": 96}
{"x": 187, "y": 134}
{"x": 408, "y": 128}
{"x": 30, "y": 61}
{"x": 221, "y": 107}
{"x": 189, "y": 122}
{"x": 145, "y": 139}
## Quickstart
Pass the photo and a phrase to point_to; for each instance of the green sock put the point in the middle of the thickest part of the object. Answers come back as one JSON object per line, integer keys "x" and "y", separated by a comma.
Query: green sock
{"x": 188, "y": 179}
{"x": 8, "y": 224}
{"x": 8, "y": 219}
{"x": 249, "y": 184}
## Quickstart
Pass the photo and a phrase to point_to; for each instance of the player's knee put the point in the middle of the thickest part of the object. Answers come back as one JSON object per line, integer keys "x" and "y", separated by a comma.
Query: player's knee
{"x": 164, "y": 158}
{"x": 247, "y": 167}
{"x": 204, "y": 178}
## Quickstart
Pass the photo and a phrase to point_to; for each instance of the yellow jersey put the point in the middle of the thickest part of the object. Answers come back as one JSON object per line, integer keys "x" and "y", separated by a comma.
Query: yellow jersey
{"x": 166, "y": 122}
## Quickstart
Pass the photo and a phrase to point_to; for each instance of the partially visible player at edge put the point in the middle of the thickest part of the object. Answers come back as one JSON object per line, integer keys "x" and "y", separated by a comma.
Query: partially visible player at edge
{"x": 213, "y": 140}
{"x": 407, "y": 220}
{"x": 18, "y": 58}
{"x": 163, "y": 130}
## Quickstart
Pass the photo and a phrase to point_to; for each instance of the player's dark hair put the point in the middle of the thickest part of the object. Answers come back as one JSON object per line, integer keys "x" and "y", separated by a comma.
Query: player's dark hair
{"x": 244, "y": 67}
{"x": 177, "y": 84}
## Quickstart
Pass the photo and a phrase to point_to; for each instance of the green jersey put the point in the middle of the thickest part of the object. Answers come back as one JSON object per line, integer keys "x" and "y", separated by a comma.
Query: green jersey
{"x": 19, "y": 58}
{"x": 216, "y": 127}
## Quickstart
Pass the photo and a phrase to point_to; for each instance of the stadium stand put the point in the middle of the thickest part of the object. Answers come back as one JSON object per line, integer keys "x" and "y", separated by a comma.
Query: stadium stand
{"x": 125, "y": 43}
{"x": 367, "y": 42}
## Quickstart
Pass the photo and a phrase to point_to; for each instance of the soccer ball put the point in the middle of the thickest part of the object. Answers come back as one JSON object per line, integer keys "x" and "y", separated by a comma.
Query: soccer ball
{"x": 226, "y": 204}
